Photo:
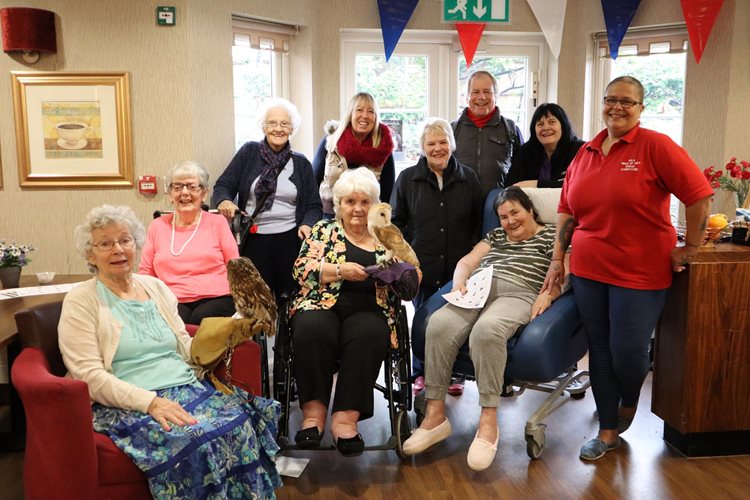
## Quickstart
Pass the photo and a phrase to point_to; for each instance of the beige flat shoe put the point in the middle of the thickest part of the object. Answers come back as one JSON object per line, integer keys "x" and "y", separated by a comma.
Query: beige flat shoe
{"x": 422, "y": 439}
{"x": 482, "y": 453}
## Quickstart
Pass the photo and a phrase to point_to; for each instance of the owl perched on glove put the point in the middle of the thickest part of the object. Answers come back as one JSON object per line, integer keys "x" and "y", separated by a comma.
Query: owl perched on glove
{"x": 252, "y": 297}
{"x": 380, "y": 226}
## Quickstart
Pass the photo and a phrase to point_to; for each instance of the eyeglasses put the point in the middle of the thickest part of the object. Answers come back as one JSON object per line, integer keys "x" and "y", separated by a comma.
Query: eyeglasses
{"x": 625, "y": 103}
{"x": 284, "y": 125}
{"x": 105, "y": 246}
{"x": 177, "y": 187}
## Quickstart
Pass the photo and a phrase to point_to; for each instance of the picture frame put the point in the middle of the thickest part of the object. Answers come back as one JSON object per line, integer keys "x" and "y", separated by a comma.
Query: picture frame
{"x": 73, "y": 129}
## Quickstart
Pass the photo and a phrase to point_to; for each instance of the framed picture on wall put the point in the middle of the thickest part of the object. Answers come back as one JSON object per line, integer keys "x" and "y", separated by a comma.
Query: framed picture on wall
{"x": 73, "y": 129}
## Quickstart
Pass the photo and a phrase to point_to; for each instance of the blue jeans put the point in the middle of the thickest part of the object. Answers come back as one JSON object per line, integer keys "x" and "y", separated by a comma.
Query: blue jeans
{"x": 618, "y": 323}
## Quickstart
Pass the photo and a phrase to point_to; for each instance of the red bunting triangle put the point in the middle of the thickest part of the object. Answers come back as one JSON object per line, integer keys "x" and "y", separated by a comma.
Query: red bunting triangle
{"x": 700, "y": 16}
{"x": 469, "y": 34}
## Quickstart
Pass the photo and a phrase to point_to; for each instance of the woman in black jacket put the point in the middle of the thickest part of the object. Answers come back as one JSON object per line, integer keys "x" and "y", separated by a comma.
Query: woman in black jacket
{"x": 437, "y": 204}
{"x": 544, "y": 159}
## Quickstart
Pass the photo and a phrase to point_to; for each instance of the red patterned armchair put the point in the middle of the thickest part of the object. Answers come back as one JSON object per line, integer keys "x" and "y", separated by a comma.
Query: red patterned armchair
{"x": 65, "y": 458}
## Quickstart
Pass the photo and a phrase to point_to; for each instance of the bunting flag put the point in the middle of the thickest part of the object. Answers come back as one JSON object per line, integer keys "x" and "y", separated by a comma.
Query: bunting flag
{"x": 550, "y": 14}
{"x": 470, "y": 34}
{"x": 617, "y": 17}
{"x": 394, "y": 15}
{"x": 700, "y": 16}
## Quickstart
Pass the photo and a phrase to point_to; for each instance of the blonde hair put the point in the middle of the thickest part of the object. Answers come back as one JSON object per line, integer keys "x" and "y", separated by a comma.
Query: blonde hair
{"x": 346, "y": 120}
{"x": 437, "y": 126}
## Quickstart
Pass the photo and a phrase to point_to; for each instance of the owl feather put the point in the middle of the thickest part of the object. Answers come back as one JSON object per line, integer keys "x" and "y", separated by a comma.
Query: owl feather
{"x": 253, "y": 298}
{"x": 380, "y": 227}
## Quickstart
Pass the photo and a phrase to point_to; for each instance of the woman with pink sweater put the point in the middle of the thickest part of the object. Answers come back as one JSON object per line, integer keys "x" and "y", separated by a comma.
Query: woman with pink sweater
{"x": 189, "y": 249}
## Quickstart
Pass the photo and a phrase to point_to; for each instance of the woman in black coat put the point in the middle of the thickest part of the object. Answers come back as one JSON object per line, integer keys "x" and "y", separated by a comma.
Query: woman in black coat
{"x": 544, "y": 159}
{"x": 437, "y": 204}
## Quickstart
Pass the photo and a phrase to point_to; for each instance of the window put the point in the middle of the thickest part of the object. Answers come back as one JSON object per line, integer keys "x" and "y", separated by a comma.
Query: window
{"x": 658, "y": 58}
{"x": 259, "y": 61}
{"x": 426, "y": 76}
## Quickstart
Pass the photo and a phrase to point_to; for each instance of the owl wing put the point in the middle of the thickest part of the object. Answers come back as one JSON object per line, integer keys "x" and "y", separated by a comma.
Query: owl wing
{"x": 253, "y": 299}
{"x": 392, "y": 239}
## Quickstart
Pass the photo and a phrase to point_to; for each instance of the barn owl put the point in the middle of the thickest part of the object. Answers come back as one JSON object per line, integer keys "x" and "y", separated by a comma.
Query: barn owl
{"x": 388, "y": 235}
{"x": 335, "y": 166}
{"x": 252, "y": 297}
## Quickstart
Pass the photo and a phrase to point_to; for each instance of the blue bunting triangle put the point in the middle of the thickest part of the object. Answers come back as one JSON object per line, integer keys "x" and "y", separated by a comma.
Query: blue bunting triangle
{"x": 394, "y": 15}
{"x": 617, "y": 17}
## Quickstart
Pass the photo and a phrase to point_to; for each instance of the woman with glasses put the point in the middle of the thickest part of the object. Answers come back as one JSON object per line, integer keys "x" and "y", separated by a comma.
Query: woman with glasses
{"x": 543, "y": 160}
{"x": 275, "y": 188}
{"x": 614, "y": 212}
{"x": 120, "y": 333}
{"x": 189, "y": 249}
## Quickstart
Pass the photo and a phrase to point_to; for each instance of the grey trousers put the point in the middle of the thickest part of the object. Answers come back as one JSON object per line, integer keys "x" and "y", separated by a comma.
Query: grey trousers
{"x": 488, "y": 330}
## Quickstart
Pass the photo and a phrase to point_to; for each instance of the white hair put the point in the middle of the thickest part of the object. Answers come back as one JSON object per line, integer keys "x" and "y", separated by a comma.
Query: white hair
{"x": 437, "y": 126}
{"x": 186, "y": 169}
{"x": 101, "y": 217}
{"x": 288, "y": 107}
{"x": 358, "y": 180}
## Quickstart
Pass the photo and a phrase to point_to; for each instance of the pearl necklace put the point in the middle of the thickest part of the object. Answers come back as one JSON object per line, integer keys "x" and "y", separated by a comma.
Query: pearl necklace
{"x": 353, "y": 239}
{"x": 195, "y": 231}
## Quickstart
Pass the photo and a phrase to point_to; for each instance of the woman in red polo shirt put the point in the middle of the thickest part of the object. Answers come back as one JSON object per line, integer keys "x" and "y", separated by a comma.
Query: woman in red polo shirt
{"x": 614, "y": 211}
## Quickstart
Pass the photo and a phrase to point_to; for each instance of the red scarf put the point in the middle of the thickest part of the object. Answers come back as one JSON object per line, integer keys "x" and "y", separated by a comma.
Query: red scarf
{"x": 364, "y": 153}
{"x": 480, "y": 122}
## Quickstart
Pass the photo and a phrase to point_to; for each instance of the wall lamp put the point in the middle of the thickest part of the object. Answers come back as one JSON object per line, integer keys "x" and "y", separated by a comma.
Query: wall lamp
{"x": 28, "y": 30}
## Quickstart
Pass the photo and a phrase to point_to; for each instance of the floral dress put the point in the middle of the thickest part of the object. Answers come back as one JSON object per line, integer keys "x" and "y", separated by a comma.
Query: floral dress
{"x": 327, "y": 244}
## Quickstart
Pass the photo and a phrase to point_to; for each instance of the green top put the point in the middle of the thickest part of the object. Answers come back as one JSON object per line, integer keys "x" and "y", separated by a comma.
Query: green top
{"x": 147, "y": 354}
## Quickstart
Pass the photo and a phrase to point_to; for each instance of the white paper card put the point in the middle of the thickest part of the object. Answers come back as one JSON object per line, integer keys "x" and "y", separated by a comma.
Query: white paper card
{"x": 290, "y": 466}
{"x": 28, "y": 291}
{"x": 477, "y": 291}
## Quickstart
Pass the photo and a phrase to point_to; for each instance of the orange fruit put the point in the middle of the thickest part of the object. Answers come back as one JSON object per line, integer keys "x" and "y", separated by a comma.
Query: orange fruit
{"x": 717, "y": 221}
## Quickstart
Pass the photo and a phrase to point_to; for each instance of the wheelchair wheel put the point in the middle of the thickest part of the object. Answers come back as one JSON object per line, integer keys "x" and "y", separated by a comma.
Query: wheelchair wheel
{"x": 535, "y": 445}
{"x": 403, "y": 432}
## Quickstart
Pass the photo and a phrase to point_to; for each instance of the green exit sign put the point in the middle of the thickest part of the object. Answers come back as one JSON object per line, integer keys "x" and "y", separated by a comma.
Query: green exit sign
{"x": 478, "y": 11}
{"x": 165, "y": 16}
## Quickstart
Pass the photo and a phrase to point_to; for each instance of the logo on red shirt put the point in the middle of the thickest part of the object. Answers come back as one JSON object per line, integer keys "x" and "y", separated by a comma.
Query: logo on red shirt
{"x": 630, "y": 165}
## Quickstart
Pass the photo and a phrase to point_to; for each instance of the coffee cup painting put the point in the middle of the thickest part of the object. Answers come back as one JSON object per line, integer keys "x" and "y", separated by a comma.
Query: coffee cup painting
{"x": 72, "y": 129}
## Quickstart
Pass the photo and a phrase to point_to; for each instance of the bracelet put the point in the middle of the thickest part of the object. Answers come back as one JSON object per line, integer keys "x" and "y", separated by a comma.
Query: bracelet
{"x": 338, "y": 271}
{"x": 553, "y": 260}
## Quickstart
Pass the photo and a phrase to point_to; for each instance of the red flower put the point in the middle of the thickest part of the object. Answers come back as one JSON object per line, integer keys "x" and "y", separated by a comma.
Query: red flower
{"x": 746, "y": 175}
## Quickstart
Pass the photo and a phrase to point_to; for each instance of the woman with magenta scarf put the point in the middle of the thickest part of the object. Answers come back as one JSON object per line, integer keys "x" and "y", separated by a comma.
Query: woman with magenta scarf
{"x": 362, "y": 141}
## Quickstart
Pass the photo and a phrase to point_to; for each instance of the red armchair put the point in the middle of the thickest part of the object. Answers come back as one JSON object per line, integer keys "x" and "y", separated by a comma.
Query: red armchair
{"x": 65, "y": 458}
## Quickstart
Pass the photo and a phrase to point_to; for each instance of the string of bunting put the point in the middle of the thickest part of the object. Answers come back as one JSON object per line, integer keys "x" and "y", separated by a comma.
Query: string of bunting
{"x": 700, "y": 16}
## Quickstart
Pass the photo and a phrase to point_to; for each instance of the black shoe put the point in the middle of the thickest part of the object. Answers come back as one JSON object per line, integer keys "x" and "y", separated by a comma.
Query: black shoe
{"x": 351, "y": 447}
{"x": 308, "y": 438}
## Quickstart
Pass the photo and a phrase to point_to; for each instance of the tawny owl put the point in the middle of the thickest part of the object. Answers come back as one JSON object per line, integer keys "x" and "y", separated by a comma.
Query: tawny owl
{"x": 379, "y": 225}
{"x": 335, "y": 166}
{"x": 252, "y": 297}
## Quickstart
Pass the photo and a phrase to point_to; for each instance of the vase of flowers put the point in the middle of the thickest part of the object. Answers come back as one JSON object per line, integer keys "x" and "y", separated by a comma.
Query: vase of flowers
{"x": 12, "y": 258}
{"x": 735, "y": 178}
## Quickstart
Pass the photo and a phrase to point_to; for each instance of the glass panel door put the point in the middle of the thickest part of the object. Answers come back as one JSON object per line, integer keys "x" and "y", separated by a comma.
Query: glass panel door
{"x": 254, "y": 72}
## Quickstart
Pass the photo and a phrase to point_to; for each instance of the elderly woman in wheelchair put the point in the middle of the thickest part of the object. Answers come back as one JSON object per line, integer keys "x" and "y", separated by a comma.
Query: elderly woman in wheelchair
{"x": 341, "y": 319}
{"x": 520, "y": 252}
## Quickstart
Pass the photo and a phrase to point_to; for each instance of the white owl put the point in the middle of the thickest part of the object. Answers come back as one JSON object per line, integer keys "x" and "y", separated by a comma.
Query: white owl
{"x": 380, "y": 227}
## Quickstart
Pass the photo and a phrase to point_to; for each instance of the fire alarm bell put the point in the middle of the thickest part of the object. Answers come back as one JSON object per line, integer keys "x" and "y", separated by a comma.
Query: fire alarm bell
{"x": 147, "y": 184}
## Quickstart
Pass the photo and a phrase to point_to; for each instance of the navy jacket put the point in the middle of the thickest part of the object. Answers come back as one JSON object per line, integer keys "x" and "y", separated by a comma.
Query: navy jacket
{"x": 247, "y": 165}
{"x": 528, "y": 161}
{"x": 441, "y": 226}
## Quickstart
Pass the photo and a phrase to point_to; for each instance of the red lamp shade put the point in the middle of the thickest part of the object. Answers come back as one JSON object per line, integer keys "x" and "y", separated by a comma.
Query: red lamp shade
{"x": 28, "y": 29}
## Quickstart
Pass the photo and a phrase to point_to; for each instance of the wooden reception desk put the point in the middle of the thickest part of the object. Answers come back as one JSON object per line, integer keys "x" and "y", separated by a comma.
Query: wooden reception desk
{"x": 701, "y": 386}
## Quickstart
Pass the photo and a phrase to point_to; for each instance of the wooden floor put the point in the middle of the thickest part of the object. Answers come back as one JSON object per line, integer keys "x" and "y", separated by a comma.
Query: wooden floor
{"x": 644, "y": 467}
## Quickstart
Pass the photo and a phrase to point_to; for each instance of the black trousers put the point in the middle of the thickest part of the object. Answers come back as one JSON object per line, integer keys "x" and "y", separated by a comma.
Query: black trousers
{"x": 356, "y": 344}
{"x": 192, "y": 313}
{"x": 274, "y": 256}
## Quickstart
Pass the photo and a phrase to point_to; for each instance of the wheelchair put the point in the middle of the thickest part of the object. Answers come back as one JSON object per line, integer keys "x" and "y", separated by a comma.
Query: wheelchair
{"x": 395, "y": 387}
{"x": 542, "y": 355}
